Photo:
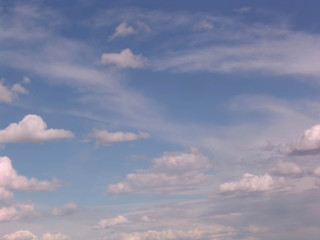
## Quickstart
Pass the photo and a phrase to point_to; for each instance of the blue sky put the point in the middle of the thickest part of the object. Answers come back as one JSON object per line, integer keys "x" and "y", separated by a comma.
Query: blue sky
{"x": 143, "y": 120}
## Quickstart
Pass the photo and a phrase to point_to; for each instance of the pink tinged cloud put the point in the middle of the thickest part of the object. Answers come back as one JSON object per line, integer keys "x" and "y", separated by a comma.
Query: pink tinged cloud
{"x": 9, "y": 94}
{"x": 31, "y": 128}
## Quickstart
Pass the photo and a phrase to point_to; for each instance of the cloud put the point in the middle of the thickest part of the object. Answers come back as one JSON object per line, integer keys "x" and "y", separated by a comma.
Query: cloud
{"x": 124, "y": 59}
{"x": 242, "y": 10}
{"x": 171, "y": 173}
{"x": 308, "y": 144}
{"x": 287, "y": 169}
{"x": 20, "y": 235}
{"x": 111, "y": 222}
{"x": 16, "y": 212}
{"x": 123, "y": 30}
{"x": 250, "y": 183}
{"x": 204, "y": 25}
{"x": 10, "y": 181}
{"x": 9, "y": 94}
{"x": 31, "y": 128}
{"x": 106, "y": 138}
{"x": 55, "y": 236}
{"x": 66, "y": 209}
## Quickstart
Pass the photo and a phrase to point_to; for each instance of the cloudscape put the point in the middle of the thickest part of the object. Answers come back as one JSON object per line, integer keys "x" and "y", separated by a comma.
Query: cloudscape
{"x": 159, "y": 120}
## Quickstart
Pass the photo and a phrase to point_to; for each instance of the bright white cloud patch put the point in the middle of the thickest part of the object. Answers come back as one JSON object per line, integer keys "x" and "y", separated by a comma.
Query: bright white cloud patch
{"x": 31, "y": 128}
{"x": 66, "y": 209}
{"x": 9, "y": 94}
{"x": 10, "y": 181}
{"x": 287, "y": 169}
{"x": 55, "y": 236}
{"x": 250, "y": 183}
{"x": 110, "y": 222}
{"x": 106, "y": 138}
{"x": 308, "y": 144}
{"x": 124, "y": 59}
{"x": 171, "y": 173}
{"x": 123, "y": 30}
{"x": 20, "y": 235}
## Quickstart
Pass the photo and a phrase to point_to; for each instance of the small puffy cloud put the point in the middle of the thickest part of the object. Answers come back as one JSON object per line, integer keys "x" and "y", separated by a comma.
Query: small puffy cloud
{"x": 26, "y": 80}
{"x": 287, "y": 169}
{"x": 111, "y": 222}
{"x": 10, "y": 181}
{"x": 123, "y": 30}
{"x": 55, "y": 236}
{"x": 66, "y": 209}
{"x": 20, "y": 235}
{"x": 308, "y": 144}
{"x": 250, "y": 183}
{"x": 316, "y": 172}
{"x": 242, "y": 10}
{"x": 171, "y": 173}
{"x": 107, "y": 138}
{"x": 9, "y": 94}
{"x": 31, "y": 128}
{"x": 124, "y": 59}
{"x": 17, "y": 212}
{"x": 204, "y": 25}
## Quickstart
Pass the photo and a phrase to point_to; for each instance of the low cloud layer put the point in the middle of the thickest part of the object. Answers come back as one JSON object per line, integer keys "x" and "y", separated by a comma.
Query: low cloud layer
{"x": 31, "y": 128}
{"x": 27, "y": 235}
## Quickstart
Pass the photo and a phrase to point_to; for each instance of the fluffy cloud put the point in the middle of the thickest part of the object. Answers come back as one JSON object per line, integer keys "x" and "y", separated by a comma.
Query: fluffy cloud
{"x": 123, "y": 30}
{"x": 124, "y": 59}
{"x": 110, "y": 222}
{"x": 20, "y": 235}
{"x": 250, "y": 183}
{"x": 173, "y": 172}
{"x": 66, "y": 209}
{"x": 287, "y": 169}
{"x": 308, "y": 144}
{"x": 55, "y": 236}
{"x": 9, "y": 94}
{"x": 31, "y": 128}
{"x": 106, "y": 138}
{"x": 27, "y": 235}
{"x": 10, "y": 181}
{"x": 17, "y": 212}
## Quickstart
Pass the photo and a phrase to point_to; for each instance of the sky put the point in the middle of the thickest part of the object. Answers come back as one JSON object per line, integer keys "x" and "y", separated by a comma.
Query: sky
{"x": 159, "y": 120}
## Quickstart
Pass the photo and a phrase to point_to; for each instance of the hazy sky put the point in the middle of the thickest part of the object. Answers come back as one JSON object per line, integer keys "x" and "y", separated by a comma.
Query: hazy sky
{"x": 159, "y": 120}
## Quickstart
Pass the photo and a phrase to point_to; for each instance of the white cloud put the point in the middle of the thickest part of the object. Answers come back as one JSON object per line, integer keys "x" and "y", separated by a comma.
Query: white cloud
{"x": 26, "y": 80}
{"x": 171, "y": 173}
{"x": 9, "y": 94}
{"x": 20, "y": 235}
{"x": 124, "y": 59}
{"x": 242, "y": 10}
{"x": 31, "y": 128}
{"x": 287, "y": 169}
{"x": 111, "y": 222}
{"x": 204, "y": 25}
{"x": 123, "y": 30}
{"x": 308, "y": 144}
{"x": 55, "y": 236}
{"x": 10, "y": 181}
{"x": 250, "y": 183}
{"x": 106, "y": 138}
{"x": 16, "y": 212}
{"x": 66, "y": 209}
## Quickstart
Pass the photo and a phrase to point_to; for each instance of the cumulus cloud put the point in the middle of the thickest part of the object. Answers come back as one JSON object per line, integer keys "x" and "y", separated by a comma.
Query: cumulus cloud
{"x": 55, "y": 236}
{"x": 171, "y": 173}
{"x": 66, "y": 209}
{"x": 16, "y": 212}
{"x": 287, "y": 169}
{"x": 123, "y": 30}
{"x": 9, "y": 94}
{"x": 308, "y": 144}
{"x": 111, "y": 222}
{"x": 124, "y": 59}
{"x": 250, "y": 183}
{"x": 31, "y": 128}
{"x": 10, "y": 181}
{"x": 106, "y": 138}
{"x": 20, "y": 235}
